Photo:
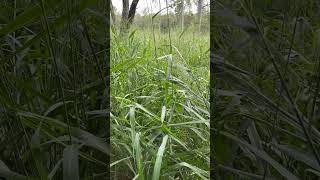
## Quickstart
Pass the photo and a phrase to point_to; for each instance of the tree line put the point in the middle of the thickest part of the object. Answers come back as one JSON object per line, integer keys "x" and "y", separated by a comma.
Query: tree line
{"x": 180, "y": 17}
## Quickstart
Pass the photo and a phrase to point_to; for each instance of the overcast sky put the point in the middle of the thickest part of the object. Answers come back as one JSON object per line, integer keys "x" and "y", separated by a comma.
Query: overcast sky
{"x": 147, "y": 4}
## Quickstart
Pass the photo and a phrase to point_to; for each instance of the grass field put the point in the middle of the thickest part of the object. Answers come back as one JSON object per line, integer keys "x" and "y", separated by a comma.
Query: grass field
{"x": 160, "y": 107}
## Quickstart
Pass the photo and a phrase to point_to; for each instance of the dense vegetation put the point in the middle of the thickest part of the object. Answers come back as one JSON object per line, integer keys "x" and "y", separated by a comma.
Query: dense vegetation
{"x": 53, "y": 105}
{"x": 160, "y": 100}
{"x": 266, "y": 72}
{"x": 54, "y": 91}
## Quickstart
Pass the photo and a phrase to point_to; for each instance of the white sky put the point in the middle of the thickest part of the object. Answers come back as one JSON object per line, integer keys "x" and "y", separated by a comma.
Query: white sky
{"x": 148, "y": 4}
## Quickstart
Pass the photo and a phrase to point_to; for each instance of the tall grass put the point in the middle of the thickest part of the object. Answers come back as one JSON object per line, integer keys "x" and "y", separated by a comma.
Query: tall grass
{"x": 52, "y": 97}
{"x": 160, "y": 107}
{"x": 267, "y": 66}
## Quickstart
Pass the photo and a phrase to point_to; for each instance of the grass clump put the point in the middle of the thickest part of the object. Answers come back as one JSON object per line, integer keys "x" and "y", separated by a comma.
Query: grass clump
{"x": 160, "y": 108}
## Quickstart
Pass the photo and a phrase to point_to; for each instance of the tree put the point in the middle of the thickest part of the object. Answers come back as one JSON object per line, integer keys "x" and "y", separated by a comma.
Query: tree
{"x": 180, "y": 9}
{"x": 124, "y": 16}
{"x": 128, "y": 14}
{"x": 182, "y": 15}
{"x": 112, "y": 11}
{"x": 199, "y": 12}
{"x": 132, "y": 10}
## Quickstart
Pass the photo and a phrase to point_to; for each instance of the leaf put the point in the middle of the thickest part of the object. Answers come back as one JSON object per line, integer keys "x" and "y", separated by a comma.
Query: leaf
{"x": 299, "y": 155}
{"x": 76, "y": 10}
{"x": 118, "y": 161}
{"x": 244, "y": 174}
{"x": 163, "y": 113}
{"x": 132, "y": 122}
{"x": 70, "y": 163}
{"x": 157, "y": 165}
{"x": 198, "y": 115}
{"x": 132, "y": 33}
{"x": 83, "y": 136}
{"x": 8, "y": 174}
{"x": 90, "y": 140}
{"x": 3, "y": 166}
{"x": 138, "y": 156}
{"x": 144, "y": 109}
{"x": 60, "y": 139}
{"x": 26, "y": 17}
{"x": 256, "y": 141}
{"x": 45, "y": 120}
{"x": 317, "y": 173}
{"x": 189, "y": 122}
{"x": 263, "y": 155}
{"x": 54, "y": 170}
{"x": 263, "y": 100}
{"x": 55, "y": 106}
{"x": 201, "y": 173}
{"x": 225, "y": 65}
{"x": 38, "y": 155}
{"x": 103, "y": 113}
{"x": 227, "y": 16}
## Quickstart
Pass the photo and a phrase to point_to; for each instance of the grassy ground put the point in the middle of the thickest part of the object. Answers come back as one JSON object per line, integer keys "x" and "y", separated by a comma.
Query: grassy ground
{"x": 160, "y": 107}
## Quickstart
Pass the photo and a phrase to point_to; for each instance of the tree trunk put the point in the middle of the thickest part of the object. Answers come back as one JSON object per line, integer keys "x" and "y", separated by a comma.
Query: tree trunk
{"x": 113, "y": 16}
{"x": 128, "y": 14}
{"x": 182, "y": 15}
{"x": 132, "y": 11}
{"x": 124, "y": 16}
{"x": 199, "y": 9}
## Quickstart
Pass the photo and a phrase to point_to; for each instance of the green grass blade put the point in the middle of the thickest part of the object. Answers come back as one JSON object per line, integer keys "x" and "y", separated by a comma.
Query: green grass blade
{"x": 26, "y": 17}
{"x": 38, "y": 155}
{"x": 70, "y": 163}
{"x": 138, "y": 156}
{"x": 158, "y": 163}
{"x": 8, "y": 174}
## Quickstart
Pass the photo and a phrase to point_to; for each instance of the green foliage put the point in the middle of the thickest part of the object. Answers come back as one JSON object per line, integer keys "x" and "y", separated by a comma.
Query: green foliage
{"x": 160, "y": 110}
{"x": 266, "y": 60}
{"x": 52, "y": 99}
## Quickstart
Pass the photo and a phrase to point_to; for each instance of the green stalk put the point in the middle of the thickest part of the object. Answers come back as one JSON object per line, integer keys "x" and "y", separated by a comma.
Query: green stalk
{"x": 56, "y": 66}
